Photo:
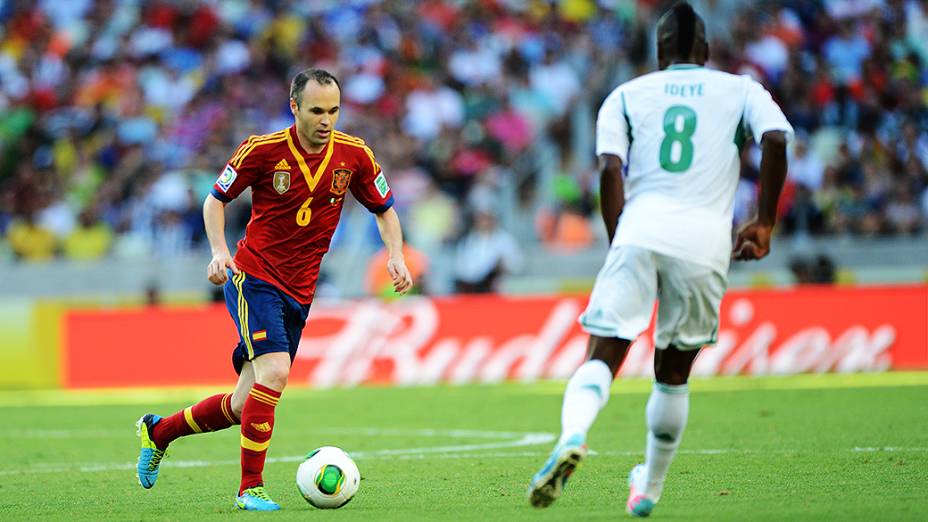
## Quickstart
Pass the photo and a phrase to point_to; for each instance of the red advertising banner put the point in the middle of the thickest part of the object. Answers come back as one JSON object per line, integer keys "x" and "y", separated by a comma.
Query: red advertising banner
{"x": 492, "y": 338}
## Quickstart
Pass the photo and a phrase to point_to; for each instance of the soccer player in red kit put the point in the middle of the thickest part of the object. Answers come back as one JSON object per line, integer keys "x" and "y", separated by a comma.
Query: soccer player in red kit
{"x": 299, "y": 178}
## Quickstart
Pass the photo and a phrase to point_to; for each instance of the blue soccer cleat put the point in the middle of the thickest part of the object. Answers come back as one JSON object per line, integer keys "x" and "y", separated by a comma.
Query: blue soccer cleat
{"x": 256, "y": 499}
{"x": 149, "y": 456}
{"x": 638, "y": 504}
{"x": 548, "y": 484}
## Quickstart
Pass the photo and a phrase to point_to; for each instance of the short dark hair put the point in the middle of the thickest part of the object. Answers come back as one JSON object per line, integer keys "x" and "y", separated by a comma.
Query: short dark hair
{"x": 679, "y": 29}
{"x": 320, "y": 76}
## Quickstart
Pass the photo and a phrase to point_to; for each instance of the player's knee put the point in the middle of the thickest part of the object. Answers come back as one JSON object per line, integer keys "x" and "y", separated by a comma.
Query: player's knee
{"x": 671, "y": 377}
{"x": 609, "y": 350}
{"x": 672, "y": 366}
{"x": 275, "y": 377}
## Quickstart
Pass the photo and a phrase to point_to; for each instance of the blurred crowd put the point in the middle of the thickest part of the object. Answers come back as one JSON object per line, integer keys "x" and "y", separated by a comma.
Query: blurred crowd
{"x": 117, "y": 115}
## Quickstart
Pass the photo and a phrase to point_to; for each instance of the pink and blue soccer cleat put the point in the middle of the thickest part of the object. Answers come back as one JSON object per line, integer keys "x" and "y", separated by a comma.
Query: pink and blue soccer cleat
{"x": 639, "y": 504}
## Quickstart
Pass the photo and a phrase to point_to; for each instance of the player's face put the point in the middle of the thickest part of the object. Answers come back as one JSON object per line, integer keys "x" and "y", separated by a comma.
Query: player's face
{"x": 317, "y": 112}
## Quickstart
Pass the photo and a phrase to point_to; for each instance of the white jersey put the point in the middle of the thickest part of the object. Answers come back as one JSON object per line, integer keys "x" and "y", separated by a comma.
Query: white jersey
{"x": 679, "y": 133}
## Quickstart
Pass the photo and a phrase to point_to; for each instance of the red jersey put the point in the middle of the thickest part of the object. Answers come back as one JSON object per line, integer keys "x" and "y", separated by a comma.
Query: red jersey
{"x": 297, "y": 199}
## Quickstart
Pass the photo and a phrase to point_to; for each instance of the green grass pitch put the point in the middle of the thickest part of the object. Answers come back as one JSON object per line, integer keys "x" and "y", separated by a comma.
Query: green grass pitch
{"x": 849, "y": 447}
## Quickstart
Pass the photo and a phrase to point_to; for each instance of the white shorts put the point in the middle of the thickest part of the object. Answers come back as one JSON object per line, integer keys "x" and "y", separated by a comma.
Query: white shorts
{"x": 628, "y": 284}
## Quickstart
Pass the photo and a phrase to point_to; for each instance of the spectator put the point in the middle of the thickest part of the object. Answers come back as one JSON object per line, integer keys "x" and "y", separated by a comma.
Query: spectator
{"x": 90, "y": 240}
{"x": 123, "y": 106}
{"x": 485, "y": 254}
{"x": 31, "y": 241}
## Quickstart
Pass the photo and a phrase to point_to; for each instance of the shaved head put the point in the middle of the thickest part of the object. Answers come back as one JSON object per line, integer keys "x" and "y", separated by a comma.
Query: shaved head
{"x": 681, "y": 37}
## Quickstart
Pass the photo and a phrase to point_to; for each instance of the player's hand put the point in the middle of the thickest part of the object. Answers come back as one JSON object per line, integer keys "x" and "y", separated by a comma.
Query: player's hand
{"x": 752, "y": 241}
{"x": 402, "y": 279}
{"x": 216, "y": 271}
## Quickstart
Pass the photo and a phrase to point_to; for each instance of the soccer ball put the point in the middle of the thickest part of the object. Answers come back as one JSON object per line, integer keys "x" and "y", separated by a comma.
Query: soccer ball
{"x": 328, "y": 478}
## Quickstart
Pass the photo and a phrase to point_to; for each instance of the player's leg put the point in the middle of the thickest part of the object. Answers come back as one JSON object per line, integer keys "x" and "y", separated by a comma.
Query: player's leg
{"x": 271, "y": 371}
{"x": 246, "y": 380}
{"x": 271, "y": 357}
{"x": 213, "y": 413}
{"x": 619, "y": 310}
{"x": 587, "y": 390}
{"x": 667, "y": 412}
{"x": 690, "y": 297}
{"x": 586, "y": 394}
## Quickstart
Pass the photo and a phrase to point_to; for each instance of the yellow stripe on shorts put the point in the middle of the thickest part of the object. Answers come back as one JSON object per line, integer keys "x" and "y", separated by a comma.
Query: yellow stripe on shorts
{"x": 243, "y": 314}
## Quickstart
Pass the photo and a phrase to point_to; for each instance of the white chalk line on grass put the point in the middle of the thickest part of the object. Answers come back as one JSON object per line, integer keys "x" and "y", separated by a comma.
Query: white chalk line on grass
{"x": 370, "y": 432}
{"x": 458, "y": 451}
{"x": 512, "y": 439}
{"x": 886, "y": 448}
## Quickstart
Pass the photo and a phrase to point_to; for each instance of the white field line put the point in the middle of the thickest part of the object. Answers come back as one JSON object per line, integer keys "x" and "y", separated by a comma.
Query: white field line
{"x": 370, "y": 432}
{"x": 510, "y": 440}
{"x": 886, "y": 448}
{"x": 410, "y": 454}
{"x": 459, "y": 451}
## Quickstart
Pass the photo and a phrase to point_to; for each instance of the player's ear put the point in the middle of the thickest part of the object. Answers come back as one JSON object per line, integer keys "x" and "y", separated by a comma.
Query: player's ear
{"x": 293, "y": 106}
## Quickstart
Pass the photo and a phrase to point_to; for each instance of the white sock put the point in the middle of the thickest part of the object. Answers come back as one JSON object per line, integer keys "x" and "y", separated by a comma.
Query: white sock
{"x": 587, "y": 392}
{"x": 667, "y": 410}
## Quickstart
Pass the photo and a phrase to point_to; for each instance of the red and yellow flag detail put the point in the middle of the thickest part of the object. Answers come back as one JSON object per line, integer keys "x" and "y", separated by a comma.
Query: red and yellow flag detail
{"x": 259, "y": 335}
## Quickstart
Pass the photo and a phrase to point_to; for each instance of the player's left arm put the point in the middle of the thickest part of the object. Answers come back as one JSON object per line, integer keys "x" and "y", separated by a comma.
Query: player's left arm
{"x": 613, "y": 139}
{"x": 388, "y": 224}
{"x": 371, "y": 189}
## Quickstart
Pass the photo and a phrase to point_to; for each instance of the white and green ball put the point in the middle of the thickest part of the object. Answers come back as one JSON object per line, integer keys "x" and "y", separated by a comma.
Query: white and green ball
{"x": 328, "y": 478}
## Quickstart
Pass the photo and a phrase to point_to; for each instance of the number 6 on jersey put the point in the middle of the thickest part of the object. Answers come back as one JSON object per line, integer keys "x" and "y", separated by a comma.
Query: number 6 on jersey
{"x": 305, "y": 213}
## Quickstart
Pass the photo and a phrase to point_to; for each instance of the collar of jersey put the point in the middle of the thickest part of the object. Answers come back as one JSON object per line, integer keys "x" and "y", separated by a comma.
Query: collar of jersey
{"x": 312, "y": 179}
{"x": 678, "y": 66}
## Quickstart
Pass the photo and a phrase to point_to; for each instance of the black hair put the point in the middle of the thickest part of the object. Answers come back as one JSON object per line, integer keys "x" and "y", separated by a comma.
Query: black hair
{"x": 686, "y": 28}
{"x": 679, "y": 30}
{"x": 320, "y": 76}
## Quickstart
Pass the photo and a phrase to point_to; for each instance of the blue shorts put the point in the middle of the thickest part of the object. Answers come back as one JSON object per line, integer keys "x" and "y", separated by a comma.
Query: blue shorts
{"x": 267, "y": 319}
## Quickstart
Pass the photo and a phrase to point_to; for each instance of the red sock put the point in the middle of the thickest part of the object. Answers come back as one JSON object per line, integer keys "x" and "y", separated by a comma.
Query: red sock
{"x": 211, "y": 414}
{"x": 257, "y": 426}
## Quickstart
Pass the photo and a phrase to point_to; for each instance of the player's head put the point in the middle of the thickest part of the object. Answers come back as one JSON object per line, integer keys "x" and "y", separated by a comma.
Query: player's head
{"x": 315, "y": 96}
{"x": 681, "y": 37}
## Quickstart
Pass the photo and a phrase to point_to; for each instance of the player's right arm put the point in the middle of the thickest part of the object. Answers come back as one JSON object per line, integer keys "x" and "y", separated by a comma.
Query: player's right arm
{"x": 238, "y": 174}
{"x": 753, "y": 241}
{"x": 612, "y": 142}
{"x": 611, "y": 191}
{"x": 214, "y": 220}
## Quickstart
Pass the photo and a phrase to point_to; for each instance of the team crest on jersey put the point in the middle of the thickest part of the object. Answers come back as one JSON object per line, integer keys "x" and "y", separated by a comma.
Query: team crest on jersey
{"x": 340, "y": 180}
{"x": 281, "y": 181}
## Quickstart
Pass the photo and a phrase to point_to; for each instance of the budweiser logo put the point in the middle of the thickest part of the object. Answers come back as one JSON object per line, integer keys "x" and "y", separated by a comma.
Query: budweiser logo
{"x": 423, "y": 341}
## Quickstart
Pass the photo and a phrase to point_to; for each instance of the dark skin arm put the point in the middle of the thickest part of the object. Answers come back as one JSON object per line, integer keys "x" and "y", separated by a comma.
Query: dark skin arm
{"x": 611, "y": 191}
{"x": 753, "y": 240}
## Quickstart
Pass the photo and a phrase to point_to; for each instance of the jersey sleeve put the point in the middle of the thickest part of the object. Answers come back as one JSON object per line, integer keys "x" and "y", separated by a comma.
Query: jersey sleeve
{"x": 370, "y": 187}
{"x": 612, "y": 127}
{"x": 762, "y": 114}
{"x": 240, "y": 172}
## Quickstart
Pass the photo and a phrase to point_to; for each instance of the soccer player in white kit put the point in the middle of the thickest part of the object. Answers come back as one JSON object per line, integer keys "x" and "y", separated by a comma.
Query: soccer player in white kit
{"x": 679, "y": 132}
